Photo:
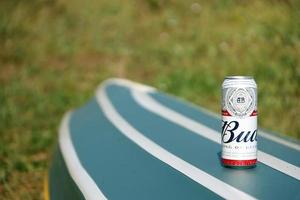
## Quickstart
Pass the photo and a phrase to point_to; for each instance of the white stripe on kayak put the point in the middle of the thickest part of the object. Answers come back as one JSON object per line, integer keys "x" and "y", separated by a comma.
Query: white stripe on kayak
{"x": 145, "y": 88}
{"x": 264, "y": 134}
{"x": 279, "y": 140}
{"x": 129, "y": 84}
{"x": 152, "y": 105}
{"x": 217, "y": 186}
{"x": 80, "y": 176}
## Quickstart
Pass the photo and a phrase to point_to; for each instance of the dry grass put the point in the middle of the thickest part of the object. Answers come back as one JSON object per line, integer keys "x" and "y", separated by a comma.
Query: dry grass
{"x": 54, "y": 53}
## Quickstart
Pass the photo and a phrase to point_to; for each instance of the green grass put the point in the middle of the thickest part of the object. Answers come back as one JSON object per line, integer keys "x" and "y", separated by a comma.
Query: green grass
{"x": 55, "y": 52}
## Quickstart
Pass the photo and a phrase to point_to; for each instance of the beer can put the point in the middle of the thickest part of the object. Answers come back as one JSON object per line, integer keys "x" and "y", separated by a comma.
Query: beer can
{"x": 239, "y": 122}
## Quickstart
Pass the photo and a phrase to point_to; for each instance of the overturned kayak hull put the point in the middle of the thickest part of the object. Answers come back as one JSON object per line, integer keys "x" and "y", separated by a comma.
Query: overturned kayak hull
{"x": 134, "y": 142}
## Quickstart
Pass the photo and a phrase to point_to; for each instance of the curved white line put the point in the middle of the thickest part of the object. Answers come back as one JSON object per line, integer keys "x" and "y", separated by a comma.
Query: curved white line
{"x": 127, "y": 83}
{"x": 279, "y": 140}
{"x": 217, "y": 186}
{"x": 264, "y": 134}
{"x": 152, "y": 105}
{"x": 145, "y": 88}
{"x": 80, "y": 176}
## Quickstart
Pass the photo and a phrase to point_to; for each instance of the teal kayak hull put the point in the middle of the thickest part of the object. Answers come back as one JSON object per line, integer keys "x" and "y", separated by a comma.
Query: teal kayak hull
{"x": 131, "y": 141}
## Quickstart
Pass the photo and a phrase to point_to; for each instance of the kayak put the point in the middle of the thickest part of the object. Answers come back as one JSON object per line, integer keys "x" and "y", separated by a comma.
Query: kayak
{"x": 131, "y": 141}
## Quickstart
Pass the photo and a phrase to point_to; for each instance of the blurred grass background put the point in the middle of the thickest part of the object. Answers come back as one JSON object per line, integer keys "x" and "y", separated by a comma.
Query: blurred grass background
{"x": 55, "y": 52}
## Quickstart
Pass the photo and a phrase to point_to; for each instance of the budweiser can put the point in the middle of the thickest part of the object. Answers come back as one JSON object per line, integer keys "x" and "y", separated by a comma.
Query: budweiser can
{"x": 239, "y": 122}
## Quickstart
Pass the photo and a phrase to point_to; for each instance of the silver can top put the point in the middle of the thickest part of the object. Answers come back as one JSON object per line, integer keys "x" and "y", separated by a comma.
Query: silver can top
{"x": 234, "y": 81}
{"x": 238, "y": 77}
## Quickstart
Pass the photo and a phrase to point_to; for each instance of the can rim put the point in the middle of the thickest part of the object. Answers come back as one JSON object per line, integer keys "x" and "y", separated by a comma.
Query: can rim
{"x": 238, "y": 77}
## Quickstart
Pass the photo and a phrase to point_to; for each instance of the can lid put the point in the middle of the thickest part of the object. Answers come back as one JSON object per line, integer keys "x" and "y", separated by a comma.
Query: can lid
{"x": 238, "y": 77}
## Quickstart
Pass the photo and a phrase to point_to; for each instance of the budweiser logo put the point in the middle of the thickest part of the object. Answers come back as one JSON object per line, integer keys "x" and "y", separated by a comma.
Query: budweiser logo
{"x": 231, "y": 132}
{"x": 239, "y": 102}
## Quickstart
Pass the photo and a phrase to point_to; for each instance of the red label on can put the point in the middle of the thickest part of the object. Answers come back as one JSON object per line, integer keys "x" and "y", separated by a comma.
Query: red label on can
{"x": 239, "y": 162}
{"x": 225, "y": 113}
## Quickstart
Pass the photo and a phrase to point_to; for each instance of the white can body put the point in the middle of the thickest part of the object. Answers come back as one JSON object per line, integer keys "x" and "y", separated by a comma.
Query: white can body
{"x": 239, "y": 122}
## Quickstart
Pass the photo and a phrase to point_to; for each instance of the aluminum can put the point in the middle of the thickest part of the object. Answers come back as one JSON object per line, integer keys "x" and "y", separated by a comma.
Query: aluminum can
{"x": 239, "y": 122}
